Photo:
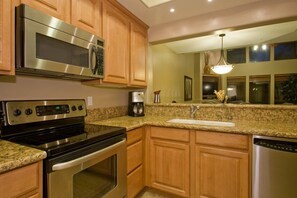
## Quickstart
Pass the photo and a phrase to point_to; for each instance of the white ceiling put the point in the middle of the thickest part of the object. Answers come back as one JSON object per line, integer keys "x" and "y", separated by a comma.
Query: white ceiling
{"x": 183, "y": 9}
{"x": 159, "y": 14}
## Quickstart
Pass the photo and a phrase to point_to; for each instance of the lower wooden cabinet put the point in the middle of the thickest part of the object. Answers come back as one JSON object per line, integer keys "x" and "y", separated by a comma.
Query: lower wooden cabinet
{"x": 170, "y": 160}
{"x": 221, "y": 165}
{"x": 25, "y": 182}
{"x": 135, "y": 157}
{"x": 135, "y": 182}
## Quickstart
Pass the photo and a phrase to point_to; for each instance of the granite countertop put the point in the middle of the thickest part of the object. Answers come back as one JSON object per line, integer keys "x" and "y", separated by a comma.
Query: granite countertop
{"x": 14, "y": 155}
{"x": 266, "y": 128}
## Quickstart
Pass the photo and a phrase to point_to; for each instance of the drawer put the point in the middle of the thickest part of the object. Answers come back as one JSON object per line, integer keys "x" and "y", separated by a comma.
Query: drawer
{"x": 20, "y": 181}
{"x": 223, "y": 139}
{"x": 134, "y": 135}
{"x": 182, "y": 135}
{"x": 135, "y": 182}
{"x": 134, "y": 155}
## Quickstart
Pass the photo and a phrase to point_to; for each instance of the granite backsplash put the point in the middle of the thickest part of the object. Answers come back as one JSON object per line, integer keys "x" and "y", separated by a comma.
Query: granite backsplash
{"x": 280, "y": 113}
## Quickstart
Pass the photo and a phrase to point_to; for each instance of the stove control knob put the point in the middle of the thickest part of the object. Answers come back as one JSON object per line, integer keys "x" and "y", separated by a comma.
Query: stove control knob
{"x": 80, "y": 107}
{"x": 17, "y": 112}
{"x": 73, "y": 108}
{"x": 28, "y": 111}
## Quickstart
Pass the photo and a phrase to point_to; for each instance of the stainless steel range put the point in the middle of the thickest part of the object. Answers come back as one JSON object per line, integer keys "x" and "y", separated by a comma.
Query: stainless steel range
{"x": 83, "y": 160}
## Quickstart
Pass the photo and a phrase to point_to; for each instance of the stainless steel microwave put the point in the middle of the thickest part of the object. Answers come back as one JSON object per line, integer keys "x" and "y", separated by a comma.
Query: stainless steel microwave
{"x": 47, "y": 46}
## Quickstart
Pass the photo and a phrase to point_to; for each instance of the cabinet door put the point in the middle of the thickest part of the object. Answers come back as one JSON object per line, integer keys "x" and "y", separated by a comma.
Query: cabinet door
{"x": 56, "y": 8}
{"x": 6, "y": 37}
{"x": 86, "y": 14}
{"x": 22, "y": 182}
{"x": 170, "y": 166}
{"x": 138, "y": 55}
{"x": 116, "y": 35}
{"x": 221, "y": 173}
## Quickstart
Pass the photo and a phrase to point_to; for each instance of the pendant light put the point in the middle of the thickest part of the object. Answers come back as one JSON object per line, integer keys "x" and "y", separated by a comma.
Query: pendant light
{"x": 222, "y": 67}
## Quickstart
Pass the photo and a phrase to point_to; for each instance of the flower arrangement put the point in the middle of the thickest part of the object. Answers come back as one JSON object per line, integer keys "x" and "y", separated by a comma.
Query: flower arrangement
{"x": 221, "y": 96}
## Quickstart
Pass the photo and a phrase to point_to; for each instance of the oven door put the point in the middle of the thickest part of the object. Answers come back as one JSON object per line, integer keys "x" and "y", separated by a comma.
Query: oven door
{"x": 43, "y": 50}
{"x": 99, "y": 174}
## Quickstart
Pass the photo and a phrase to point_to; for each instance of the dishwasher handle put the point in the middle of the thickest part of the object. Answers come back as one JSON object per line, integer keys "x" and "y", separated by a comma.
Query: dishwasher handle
{"x": 277, "y": 145}
{"x": 69, "y": 164}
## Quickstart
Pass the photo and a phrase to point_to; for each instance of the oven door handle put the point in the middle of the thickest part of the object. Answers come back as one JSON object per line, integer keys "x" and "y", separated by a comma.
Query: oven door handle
{"x": 86, "y": 158}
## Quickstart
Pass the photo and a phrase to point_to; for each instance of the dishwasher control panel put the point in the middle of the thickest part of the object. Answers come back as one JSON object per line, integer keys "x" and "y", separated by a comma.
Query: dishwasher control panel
{"x": 277, "y": 145}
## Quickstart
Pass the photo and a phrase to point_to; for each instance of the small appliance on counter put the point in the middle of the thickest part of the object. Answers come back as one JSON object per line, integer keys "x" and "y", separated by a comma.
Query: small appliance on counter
{"x": 136, "y": 103}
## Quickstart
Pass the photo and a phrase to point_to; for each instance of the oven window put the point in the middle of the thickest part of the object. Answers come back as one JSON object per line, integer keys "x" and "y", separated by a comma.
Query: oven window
{"x": 51, "y": 49}
{"x": 96, "y": 180}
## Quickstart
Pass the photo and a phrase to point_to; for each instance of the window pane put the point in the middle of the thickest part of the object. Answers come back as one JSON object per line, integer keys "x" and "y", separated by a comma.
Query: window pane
{"x": 285, "y": 89}
{"x": 236, "y": 89}
{"x": 236, "y": 55}
{"x": 210, "y": 83}
{"x": 259, "y": 89}
{"x": 259, "y": 53}
{"x": 283, "y": 51}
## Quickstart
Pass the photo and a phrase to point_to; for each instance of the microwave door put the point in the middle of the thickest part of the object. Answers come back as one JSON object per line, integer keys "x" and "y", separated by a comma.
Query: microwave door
{"x": 47, "y": 50}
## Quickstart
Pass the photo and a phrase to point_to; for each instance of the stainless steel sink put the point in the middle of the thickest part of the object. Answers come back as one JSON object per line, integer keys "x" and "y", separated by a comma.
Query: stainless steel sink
{"x": 202, "y": 122}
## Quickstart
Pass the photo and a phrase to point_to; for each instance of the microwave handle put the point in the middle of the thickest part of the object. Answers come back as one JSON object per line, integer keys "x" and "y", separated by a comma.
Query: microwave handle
{"x": 69, "y": 164}
{"x": 94, "y": 51}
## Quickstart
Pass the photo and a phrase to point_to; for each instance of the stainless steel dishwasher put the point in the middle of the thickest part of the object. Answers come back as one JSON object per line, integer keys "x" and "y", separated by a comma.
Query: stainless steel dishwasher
{"x": 274, "y": 167}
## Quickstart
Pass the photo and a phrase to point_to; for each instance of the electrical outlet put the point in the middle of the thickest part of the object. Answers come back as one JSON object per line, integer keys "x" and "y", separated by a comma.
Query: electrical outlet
{"x": 89, "y": 100}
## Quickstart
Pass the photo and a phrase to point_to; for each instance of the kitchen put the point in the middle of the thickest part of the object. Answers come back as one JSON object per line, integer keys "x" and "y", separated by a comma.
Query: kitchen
{"x": 114, "y": 101}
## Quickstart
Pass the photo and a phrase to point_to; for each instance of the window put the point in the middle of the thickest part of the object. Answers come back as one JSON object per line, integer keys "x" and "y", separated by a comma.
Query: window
{"x": 210, "y": 83}
{"x": 283, "y": 51}
{"x": 236, "y": 89}
{"x": 285, "y": 90}
{"x": 259, "y": 89}
{"x": 259, "y": 53}
{"x": 236, "y": 55}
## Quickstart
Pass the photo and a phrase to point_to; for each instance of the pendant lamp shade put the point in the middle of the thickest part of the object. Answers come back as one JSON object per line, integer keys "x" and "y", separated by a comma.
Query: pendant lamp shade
{"x": 222, "y": 67}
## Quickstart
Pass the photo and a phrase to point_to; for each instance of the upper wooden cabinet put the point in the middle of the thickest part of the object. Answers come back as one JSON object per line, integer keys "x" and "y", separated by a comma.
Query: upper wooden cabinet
{"x": 138, "y": 55}
{"x": 125, "y": 46}
{"x": 117, "y": 38}
{"x": 57, "y": 8}
{"x": 6, "y": 37}
{"x": 86, "y": 14}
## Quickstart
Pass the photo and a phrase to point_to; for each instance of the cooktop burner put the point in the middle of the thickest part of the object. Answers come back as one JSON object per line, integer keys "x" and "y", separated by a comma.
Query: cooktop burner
{"x": 60, "y": 140}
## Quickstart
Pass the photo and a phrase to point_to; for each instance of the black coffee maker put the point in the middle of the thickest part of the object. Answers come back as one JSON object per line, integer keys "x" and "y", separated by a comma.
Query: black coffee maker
{"x": 136, "y": 103}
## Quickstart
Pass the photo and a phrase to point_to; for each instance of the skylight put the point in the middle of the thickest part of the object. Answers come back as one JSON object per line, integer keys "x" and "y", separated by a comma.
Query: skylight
{"x": 151, "y": 3}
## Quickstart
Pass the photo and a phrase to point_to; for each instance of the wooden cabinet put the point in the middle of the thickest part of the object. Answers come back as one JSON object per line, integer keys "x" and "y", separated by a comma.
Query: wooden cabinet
{"x": 170, "y": 160}
{"x": 221, "y": 165}
{"x": 116, "y": 35}
{"x": 59, "y": 9}
{"x": 135, "y": 157}
{"x": 138, "y": 55}
{"x": 22, "y": 182}
{"x": 125, "y": 47}
{"x": 6, "y": 37}
{"x": 86, "y": 14}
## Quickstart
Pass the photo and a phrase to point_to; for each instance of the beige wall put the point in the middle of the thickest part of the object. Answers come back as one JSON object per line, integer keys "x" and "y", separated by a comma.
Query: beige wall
{"x": 169, "y": 70}
{"x": 25, "y": 87}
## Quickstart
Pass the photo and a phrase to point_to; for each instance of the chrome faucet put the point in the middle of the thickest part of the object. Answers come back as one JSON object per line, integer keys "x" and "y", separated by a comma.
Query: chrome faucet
{"x": 193, "y": 110}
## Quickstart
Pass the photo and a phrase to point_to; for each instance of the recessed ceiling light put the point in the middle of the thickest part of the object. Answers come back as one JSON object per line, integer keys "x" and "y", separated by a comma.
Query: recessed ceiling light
{"x": 264, "y": 47}
{"x": 209, "y": 0}
{"x": 255, "y": 47}
{"x": 172, "y": 10}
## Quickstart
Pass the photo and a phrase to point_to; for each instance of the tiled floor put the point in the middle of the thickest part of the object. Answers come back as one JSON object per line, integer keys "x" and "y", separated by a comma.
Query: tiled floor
{"x": 152, "y": 193}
